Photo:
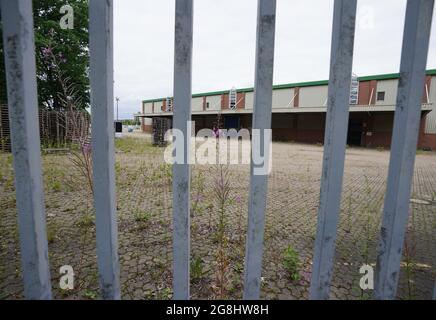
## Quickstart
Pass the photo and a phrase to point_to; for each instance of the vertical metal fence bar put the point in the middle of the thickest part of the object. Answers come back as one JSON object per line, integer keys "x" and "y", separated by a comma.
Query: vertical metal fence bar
{"x": 181, "y": 171}
{"x": 102, "y": 104}
{"x": 266, "y": 19}
{"x": 341, "y": 61}
{"x": 19, "y": 47}
{"x": 434, "y": 291}
{"x": 403, "y": 149}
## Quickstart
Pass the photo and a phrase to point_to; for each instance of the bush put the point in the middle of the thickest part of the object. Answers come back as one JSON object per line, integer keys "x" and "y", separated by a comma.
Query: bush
{"x": 52, "y": 231}
{"x": 142, "y": 216}
{"x": 86, "y": 221}
{"x": 291, "y": 262}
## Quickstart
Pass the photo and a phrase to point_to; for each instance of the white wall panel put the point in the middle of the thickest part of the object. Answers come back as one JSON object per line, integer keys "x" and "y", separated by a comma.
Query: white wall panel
{"x": 315, "y": 96}
{"x": 430, "y": 124}
{"x": 148, "y": 107}
{"x": 390, "y": 88}
{"x": 158, "y": 106}
{"x": 249, "y": 100}
{"x": 197, "y": 104}
{"x": 282, "y": 97}
{"x": 214, "y": 102}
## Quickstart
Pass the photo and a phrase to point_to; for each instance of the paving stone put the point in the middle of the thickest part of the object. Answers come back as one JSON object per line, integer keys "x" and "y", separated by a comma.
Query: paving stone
{"x": 145, "y": 247}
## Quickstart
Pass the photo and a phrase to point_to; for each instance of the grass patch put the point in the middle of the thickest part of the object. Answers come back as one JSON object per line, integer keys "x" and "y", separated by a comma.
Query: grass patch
{"x": 291, "y": 262}
{"x": 52, "y": 231}
{"x": 196, "y": 268}
{"x": 90, "y": 294}
{"x": 85, "y": 221}
{"x": 135, "y": 146}
{"x": 142, "y": 216}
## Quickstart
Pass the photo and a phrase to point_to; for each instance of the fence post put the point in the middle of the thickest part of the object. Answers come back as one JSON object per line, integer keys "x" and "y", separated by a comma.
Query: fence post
{"x": 266, "y": 18}
{"x": 403, "y": 149}
{"x": 434, "y": 291}
{"x": 102, "y": 102}
{"x": 341, "y": 62}
{"x": 19, "y": 48}
{"x": 181, "y": 171}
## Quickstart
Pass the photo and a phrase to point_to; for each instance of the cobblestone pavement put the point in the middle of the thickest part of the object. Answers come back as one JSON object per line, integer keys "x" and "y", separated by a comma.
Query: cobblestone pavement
{"x": 144, "y": 222}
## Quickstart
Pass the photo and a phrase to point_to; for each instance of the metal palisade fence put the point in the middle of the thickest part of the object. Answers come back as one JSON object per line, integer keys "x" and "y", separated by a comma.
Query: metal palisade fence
{"x": 19, "y": 47}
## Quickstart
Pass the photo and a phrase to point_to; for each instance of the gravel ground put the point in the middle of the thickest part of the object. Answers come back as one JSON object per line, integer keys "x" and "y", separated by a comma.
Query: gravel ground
{"x": 144, "y": 222}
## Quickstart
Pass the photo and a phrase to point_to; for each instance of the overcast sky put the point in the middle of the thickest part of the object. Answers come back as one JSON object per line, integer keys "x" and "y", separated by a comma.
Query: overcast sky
{"x": 224, "y": 44}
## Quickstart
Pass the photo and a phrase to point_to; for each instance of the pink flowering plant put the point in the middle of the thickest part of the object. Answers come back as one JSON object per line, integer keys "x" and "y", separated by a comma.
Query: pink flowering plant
{"x": 72, "y": 104}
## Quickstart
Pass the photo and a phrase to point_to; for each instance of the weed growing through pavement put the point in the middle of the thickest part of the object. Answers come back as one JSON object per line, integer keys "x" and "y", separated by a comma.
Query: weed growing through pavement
{"x": 197, "y": 268}
{"x": 409, "y": 253}
{"x": 291, "y": 262}
{"x": 222, "y": 195}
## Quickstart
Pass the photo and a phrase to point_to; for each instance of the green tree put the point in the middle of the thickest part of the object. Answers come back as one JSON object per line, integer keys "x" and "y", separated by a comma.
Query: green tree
{"x": 3, "y": 93}
{"x": 69, "y": 45}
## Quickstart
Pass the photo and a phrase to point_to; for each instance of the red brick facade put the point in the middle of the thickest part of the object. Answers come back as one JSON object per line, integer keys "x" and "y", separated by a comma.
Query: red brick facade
{"x": 240, "y": 100}
{"x": 224, "y": 101}
{"x": 367, "y": 91}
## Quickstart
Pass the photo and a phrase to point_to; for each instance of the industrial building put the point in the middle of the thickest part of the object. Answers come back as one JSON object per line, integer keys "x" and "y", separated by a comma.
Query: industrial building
{"x": 299, "y": 110}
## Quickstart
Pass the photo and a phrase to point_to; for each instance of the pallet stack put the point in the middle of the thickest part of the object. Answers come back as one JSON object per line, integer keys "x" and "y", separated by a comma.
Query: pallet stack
{"x": 5, "y": 133}
{"x": 57, "y": 128}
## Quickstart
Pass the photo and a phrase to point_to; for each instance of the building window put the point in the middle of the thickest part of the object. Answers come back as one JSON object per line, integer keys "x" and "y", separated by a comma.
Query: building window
{"x": 381, "y": 96}
{"x": 207, "y": 105}
{"x": 169, "y": 105}
{"x": 232, "y": 98}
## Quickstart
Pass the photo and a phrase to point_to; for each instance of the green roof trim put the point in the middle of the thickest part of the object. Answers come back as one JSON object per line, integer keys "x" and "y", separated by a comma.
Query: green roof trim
{"x": 216, "y": 93}
{"x": 301, "y": 84}
{"x": 390, "y": 76}
{"x": 153, "y": 100}
{"x": 387, "y": 76}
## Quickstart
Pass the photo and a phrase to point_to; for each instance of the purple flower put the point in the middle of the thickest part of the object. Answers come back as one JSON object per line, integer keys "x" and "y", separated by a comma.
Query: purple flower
{"x": 86, "y": 147}
{"x": 46, "y": 51}
{"x": 197, "y": 197}
{"x": 62, "y": 58}
{"x": 217, "y": 132}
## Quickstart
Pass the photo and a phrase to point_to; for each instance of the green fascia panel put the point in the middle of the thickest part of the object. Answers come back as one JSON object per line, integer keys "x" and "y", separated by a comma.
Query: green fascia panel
{"x": 387, "y": 76}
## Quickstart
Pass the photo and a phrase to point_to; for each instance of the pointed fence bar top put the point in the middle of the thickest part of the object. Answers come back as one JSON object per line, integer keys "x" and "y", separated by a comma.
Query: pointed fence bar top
{"x": 19, "y": 46}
